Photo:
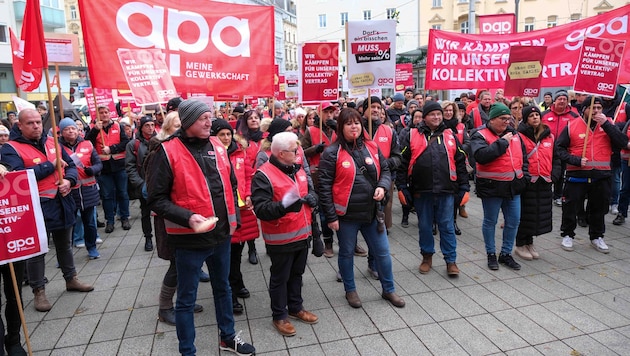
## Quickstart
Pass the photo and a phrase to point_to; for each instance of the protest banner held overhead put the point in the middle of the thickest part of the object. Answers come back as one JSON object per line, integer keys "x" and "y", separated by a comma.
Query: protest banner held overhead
{"x": 230, "y": 51}
{"x": 103, "y": 97}
{"x": 147, "y": 75}
{"x": 598, "y": 66}
{"x": 319, "y": 69}
{"x": 462, "y": 61}
{"x": 404, "y": 76}
{"x": 524, "y": 70}
{"x": 371, "y": 53}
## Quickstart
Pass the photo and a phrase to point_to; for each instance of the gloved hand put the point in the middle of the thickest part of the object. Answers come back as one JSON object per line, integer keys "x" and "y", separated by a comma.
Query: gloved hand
{"x": 320, "y": 148}
{"x": 295, "y": 207}
{"x": 88, "y": 171}
{"x": 405, "y": 197}
{"x": 332, "y": 123}
{"x": 310, "y": 199}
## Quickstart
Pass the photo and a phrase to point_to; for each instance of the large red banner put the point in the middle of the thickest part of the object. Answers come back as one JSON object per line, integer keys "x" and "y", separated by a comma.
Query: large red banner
{"x": 461, "y": 61}
{"x": 230, "y": 51}
{"x": 29, "y": 54}
{"x": 598, "y": 66}
{"x": 22, "y": 228}
{"x": 497, "y": 24}
{"x": 320, "y": 71}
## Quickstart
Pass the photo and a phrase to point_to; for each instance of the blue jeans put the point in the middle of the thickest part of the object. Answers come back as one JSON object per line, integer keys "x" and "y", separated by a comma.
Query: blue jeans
{"x": 511, "y": 214}
{"x": 430, "y": 206}
{"x": 377, "y": 244}
{"x": 615, "y": 184}
{"x": 114, "y": 193}
{"x": 624, "y": 194}
{"x": 85, "y": 228}
{"x": 189, "y": 264}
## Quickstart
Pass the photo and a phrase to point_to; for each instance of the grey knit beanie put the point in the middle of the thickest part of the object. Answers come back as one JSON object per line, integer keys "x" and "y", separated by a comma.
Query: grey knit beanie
{"x": 190, "y": 110}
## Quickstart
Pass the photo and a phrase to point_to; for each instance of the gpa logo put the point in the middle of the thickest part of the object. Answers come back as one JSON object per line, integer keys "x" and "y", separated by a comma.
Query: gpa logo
{"x": 21, "y": 245}
{"x": 166, "y": 93}
{"x": 499, "y": 27}
{"x": 547, "y": 144}
{"x": 616, "y": 26}
{"x": 605, "y": 86}
{"x": 331, "y": 92}
{"x": 531, "y": 92}
{"x": 385, "y": 81}
{"x": 383, "y": 139}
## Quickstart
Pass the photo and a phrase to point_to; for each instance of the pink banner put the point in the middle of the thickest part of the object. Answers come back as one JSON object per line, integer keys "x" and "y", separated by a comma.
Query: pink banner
{"x": 147, "y": 75}
{"x": 497, "y": 24}
{"x": 103, "y": 97}
{"x": 598, "y": 66}
{"x": 404, "y": 76}
{"x": 461, "y": 61}
{"x": 320, "y": 71}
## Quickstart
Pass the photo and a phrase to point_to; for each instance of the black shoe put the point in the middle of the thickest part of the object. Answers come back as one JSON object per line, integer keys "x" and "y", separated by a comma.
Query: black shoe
{"x": 242, "y": 293}
{"x": 619, "y": 220}
{"x": 582, "y": 222}
{"x": 126, "y": 225}
{"x": 100, "y": 223}
{"x": 253, "y": 259}
{"x": 16, "y": 350}
{"x": 109, "y": 228}
{"x": 457, "y": 230}
{"x": 405, "y": 221}
{"x": 434, "y": 229}
{"x": 148, "y": 244}
{"x": 198, "y": 308}
{"x": 238, "y": 346}
{"x": 237, "y": 307}
{"x": 509, "y": 261}
{"x": 492, "y": 262}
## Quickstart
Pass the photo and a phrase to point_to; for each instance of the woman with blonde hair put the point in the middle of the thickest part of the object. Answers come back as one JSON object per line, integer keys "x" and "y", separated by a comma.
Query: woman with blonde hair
{"x": 169, "y": 126}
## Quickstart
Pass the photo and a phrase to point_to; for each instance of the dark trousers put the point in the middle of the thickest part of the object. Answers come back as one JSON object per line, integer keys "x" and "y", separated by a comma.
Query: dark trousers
{"x": 35, "y": 266}
{"x": 145, "y": 212}
{"x": 170, "y": 278}
{"x": 598, "y": 197}
{"x": 11, "y": 312}
{"x": 285, "y": 283}
{"x": 236, "y": 277}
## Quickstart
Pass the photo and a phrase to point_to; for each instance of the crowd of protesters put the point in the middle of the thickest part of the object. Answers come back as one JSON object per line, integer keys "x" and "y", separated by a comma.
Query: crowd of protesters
{"x": 218, "y": 178}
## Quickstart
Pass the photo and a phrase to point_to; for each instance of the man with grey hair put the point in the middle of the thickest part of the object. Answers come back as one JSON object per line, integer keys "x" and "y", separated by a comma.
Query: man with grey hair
{"x": 283, "y": 201}
{"x": 195, "y": 192}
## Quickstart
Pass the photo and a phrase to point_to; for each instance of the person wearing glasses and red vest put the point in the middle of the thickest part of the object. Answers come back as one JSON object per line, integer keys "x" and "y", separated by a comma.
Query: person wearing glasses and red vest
{"x": 191, "y": 184}
{"x": 110, "y": 142}
{"x": 589, "y": 173}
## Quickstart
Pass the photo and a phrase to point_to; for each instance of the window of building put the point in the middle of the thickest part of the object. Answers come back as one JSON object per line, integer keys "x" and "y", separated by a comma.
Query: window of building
{"x": 436, "y": 27}
{"x": 3, "y": 33}
{"x": 343, "y": 45}
{"x": 45, "y": 3}
{"x": 529, "y": 24}
{"x": 55, "y": 3}
{"x": 463, "y": 27}
{"x": 437, "y": 3}
{"x": 344, "y": 18}
{"x": 322, "y": 21}
{"x": 552, "y": 21}
{"x": 391, "y": 13}
{"x": 462, "y": 1}
{"x": 576, "y": 17}
{"x": 73, "y": 12}
{"x": 367, "y": 14}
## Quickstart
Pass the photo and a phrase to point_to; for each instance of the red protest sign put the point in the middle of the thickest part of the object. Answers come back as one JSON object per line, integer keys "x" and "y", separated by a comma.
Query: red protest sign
{"x": 282, "y": 88}
{"x": 22, "y": 227}
{"x": 524, "y": 70}
{"x": 404, "y": 76}
{"x": 319, "y": 71}
{"x": 497, "y": 24}
{"x": 147, "y": 75}
{"x": 598, "y": 66}
{"x": 103, "y": 97}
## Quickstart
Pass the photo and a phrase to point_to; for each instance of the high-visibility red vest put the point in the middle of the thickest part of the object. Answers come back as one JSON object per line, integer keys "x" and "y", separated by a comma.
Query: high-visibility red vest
{"x": 477, "y": 121}
{"x": 190, "y": 188}
{"x": 346, "y": 172}
{"x": 557, "y": 122}
{"x": 109, "y": 138}
{"x": 293, "y": 226}
{"x": 540, "y": 157}
{"x": 314, "y": 133}
{"x": 461, "y": 128}
{"x": 83, "y": 153}
{"x": 598, "y": 147}
{"x": 505, "y": 167}
{"x": 622, "y": 115}
{"x": 418, "y": 144}
{"x": 625, "y": 153}
{"x": 31, "y": 157}
{"x": 383, "y": 138}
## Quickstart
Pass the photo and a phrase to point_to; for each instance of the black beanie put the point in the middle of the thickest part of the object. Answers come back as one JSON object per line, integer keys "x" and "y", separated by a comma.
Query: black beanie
{"x": 173, "y": 104}
{"x": 528, "y": 110}
{"x": 218, "y": 125}
{"x": 144, "y": 120}
{"x": 586, "y": 104}
{"x": 277, "y": 125}
{"x": 431, "y": 106}
{"x": 374, "y": 99}
{"x": 190, "y": 110}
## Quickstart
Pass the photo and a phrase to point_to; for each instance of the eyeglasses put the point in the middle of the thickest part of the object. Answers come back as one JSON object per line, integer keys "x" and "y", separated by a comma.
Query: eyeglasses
{"x": 295, "y": 151}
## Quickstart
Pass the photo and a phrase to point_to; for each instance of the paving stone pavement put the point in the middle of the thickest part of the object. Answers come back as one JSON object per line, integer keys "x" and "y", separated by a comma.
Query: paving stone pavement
{"x": 566, "y": 303}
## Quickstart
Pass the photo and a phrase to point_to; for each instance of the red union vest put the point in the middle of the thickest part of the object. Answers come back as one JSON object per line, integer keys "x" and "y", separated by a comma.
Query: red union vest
{"x": 505, "y": 167}
{"x": 625, "y": 153}
{"x": 622, "y": 115}
{"x": 83, "y": 152}
{"x": 461, "y": 128}
{"x": 383, "y": 138}
{"x": 540, "y": 156}
{"x": 292, "y": 226}
{"x": 110, "y": 138}
{"x": 314, "y": 132}
{"x": 346, "y": 172}
{"x": 597, "y": 158}
{"x": 418, "y": 144}
{"x": 190, "y": 189}
{"x": 31, "y": 156}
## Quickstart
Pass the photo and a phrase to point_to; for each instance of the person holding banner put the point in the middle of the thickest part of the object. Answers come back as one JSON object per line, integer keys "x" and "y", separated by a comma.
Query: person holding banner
{"x": 30, "y": 149}
{"x": 195, "y": 193}
{"x": 110, "y": 142}
{"x": 86, "y": 192}
{"x": 585, "y": 145}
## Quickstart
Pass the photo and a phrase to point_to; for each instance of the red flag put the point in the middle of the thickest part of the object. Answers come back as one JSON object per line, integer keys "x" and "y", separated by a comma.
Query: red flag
{"x": 29, "y": 54}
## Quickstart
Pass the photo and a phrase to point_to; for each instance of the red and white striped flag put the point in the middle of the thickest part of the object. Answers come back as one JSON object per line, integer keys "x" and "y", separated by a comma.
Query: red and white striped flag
{"x": 29, "y": 53}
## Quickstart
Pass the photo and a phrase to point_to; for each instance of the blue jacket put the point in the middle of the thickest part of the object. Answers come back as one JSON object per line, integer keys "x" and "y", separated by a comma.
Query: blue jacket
{"x": 86, "y": 196}
{"x": 59, "y": 213}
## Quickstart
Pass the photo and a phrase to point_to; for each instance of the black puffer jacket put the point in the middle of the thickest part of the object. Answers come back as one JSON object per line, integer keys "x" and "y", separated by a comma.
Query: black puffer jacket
{"x": 361, "y": 205}
{"x": 159, "y": 180}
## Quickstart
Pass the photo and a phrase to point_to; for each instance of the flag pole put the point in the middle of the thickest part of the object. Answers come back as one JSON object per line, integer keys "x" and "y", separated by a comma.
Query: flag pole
{"x": 18, "y": 298}
{"x": 97, "y": 118}
{"x": 369, "y": 115}
{"x": 588, "y": 126}
{"x": 53, "y": 121}
{"x": 58, "y": 75}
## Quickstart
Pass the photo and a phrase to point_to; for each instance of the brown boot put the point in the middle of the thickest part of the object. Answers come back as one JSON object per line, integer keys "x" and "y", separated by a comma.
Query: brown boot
{"x": 462, "y": 211}
{"x": 41, "y": 302}
{"x": 76, "y": 285}
{"x": 452, "y": 270}
{"x": 427, "y": 261}
{"x": 328, "y": 249}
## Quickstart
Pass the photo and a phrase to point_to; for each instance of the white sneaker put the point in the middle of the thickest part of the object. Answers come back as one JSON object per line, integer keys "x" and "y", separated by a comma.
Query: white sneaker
{"x": 600, "y": 245}
{"x": 99, "y": 240}
{"x": 614, "y": 209}
{"x": 567, "y": 243}
{"x": 558, "y": 202}
{"x": 79, "y": 245}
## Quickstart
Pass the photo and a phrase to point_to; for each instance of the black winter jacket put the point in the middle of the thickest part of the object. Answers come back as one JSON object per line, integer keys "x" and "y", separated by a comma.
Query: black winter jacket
{"x": 86, "y": 196}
